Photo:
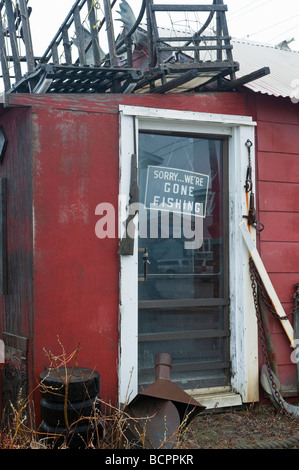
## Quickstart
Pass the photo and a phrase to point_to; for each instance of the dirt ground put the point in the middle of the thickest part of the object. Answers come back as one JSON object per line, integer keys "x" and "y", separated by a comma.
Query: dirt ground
{"x": 257, "y": 426}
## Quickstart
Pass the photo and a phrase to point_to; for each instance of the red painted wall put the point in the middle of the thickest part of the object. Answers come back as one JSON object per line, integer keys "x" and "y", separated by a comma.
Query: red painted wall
{"x": 75, "y": 167}
{"x": 16, "y": 307}
{"x": 278, "y": 196}
{"x": 75, "y": 274}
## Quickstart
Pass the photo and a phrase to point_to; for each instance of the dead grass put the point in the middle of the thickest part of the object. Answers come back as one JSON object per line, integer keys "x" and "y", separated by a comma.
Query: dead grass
{"x": 253, "y": 426}
{"x": 108, "y": 426}
{"x": 257, "y": 425}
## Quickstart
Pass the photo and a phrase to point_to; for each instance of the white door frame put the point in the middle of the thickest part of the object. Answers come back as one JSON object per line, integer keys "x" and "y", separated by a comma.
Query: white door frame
{"x": 243, "y": 325}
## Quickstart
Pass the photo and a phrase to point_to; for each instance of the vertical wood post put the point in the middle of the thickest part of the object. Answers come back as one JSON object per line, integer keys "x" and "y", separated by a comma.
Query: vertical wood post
{"x": 110, "y": 33}
{"x": 3, "y": 237}
{"x": 66, "y": 45}
{"x": 3, "y": 58}
{"x": 13, "y": 39}
{"x": 80, "y": 36}
{"x": 94, "y": 33}
{"x": 27, "y": 36}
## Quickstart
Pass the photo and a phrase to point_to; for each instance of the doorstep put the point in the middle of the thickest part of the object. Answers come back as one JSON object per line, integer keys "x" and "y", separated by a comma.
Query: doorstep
{"x": 217, "y": 399}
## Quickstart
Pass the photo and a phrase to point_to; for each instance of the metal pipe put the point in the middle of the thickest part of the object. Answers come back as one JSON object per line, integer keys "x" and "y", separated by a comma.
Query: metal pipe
{"x": 163, "y": 362}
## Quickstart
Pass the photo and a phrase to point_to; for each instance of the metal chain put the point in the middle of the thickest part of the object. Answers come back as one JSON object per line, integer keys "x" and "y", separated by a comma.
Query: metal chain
{"x": 257, "y": 286}
{"x": 265, "y": 297}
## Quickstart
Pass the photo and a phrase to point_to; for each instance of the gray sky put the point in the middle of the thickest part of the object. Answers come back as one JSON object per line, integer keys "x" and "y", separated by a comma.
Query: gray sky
{"x": 269, "y": 21}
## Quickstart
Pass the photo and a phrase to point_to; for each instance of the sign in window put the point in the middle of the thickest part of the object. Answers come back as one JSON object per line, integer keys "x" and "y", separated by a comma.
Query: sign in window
{"x": 176, "y": 190}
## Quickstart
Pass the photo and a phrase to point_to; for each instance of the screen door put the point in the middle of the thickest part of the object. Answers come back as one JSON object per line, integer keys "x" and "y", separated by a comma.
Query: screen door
{"x": 183, "y": 305}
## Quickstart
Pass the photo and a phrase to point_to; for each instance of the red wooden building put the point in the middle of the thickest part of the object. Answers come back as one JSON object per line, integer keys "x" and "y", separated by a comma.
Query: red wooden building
{"x": 66, "y": 176}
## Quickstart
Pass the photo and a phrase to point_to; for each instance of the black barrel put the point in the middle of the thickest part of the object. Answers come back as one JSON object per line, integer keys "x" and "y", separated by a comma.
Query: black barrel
{"x": 70, "y": 420}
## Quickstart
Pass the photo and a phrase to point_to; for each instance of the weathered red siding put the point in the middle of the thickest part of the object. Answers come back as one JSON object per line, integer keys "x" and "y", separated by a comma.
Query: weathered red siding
{"x": 278, "y": 195}
{"x": 74, "y": 153}
{"x": 76, "y": 167}
{"x": 75, "y": 274}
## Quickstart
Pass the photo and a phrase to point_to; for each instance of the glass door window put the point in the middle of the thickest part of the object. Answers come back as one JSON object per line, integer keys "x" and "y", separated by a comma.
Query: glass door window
{"x": 183, "y": 281}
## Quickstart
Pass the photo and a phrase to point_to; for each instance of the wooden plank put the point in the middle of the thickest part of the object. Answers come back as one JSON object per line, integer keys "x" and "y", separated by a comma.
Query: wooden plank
{"x": 181, "y": 303}
{"x": 94, "y": 33}
{"x": 3, "y": 237}
{"x": 187, "y": 7}
{"x": 150, "y": 34}
{"x": 273, "y": 109}
{"x": 209, "y": 365}
{"x": 13, "y": 39}
{"x": 180, "y": 335}
{"x": 284, "y": 285}
{"x": 110, "y": 33}
{"x": 176, "y": 82}
{"x": 66, "y": 45}
{"x": 55, "y": 56}
{"x": 267, "y": 282}
{"x": 209, "y": 66}
{"x": 3, "y": 57}
{"x": 183, "y": 38}
{"x": 106, "y": 103}
{"x": 195, "y": 48}
{"x": 27, "y": 36}
{"x": 218, "y": 33}
{"x": 287, "y": 230}
{"x": 278, "y": 197}
{"x": 79, "y": 36}
{"x": 246, "y": 78}
{"x": 279, "y": 167}
{"x": 280, "y": 257}
{"x": 224, "y": 31}
{"x": 278, "y": 137}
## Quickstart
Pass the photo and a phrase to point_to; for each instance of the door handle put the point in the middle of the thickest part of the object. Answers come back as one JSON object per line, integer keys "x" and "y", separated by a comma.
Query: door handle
{"x": 146, "y": 262}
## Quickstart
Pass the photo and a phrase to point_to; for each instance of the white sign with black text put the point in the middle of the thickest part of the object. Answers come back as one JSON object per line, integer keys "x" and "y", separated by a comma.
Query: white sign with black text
{"x": 176, "y": 190}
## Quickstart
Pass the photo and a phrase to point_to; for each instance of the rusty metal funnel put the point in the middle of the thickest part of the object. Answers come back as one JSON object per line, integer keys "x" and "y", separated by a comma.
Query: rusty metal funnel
{"x": 164, "y": 388}
{"x": 162, "y": 407}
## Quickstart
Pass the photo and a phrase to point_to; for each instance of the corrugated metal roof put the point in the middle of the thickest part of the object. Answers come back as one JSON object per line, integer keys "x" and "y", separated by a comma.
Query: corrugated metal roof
{"x": 283, "y": 79}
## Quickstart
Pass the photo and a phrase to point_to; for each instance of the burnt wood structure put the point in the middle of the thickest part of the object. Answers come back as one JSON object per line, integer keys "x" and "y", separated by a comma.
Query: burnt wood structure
{"x": 75, "y": 63}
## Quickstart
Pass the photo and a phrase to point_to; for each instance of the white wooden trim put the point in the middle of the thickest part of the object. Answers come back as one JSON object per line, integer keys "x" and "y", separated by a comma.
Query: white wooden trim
{"x": 243, "y": 323}
{"x": 244, "y": 338}
{"x": 170, "y": 114}
{"x": 128, "y": 281}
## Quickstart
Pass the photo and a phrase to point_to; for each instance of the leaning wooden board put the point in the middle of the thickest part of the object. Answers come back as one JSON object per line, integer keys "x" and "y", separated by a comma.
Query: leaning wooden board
{"x": 267, "y": 282}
